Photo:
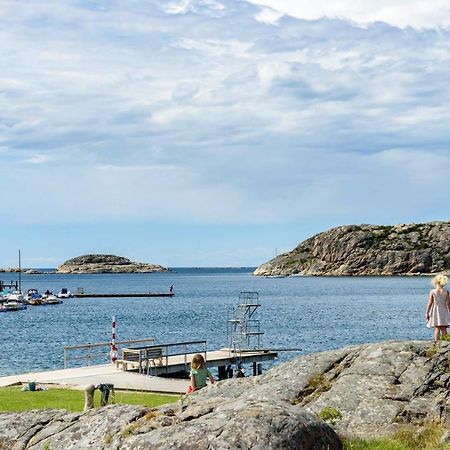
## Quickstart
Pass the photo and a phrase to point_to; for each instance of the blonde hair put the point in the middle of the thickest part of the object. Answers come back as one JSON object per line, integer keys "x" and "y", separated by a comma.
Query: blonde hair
{"x": 440, "y": 280}
{"x": 198, "y": 362}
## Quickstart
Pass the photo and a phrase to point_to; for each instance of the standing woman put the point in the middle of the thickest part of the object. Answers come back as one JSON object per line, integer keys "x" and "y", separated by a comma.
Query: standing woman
{"x": 437, "y": 313}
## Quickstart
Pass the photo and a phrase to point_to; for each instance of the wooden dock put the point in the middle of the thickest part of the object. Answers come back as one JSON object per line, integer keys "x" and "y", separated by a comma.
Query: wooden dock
{"x": 122, "y": 294}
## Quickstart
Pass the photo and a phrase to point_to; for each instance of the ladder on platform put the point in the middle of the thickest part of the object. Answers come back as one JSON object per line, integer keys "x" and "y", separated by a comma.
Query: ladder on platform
{"x": 244, "y": 327}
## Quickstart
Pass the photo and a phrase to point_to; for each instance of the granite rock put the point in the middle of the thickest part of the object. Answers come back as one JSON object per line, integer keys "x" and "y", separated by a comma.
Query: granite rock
{"x": 377, "y": 389}
{"x": 407, "y": 249}
{"x": 106, "y": 264}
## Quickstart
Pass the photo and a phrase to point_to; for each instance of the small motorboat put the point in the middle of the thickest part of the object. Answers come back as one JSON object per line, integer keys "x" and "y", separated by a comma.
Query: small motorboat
{"x": 15, "y": 296}
{"x": 64, "y": 293}
{"x": 33, "y": 296}
{"x": 50, "y": 299}
{"x": 12, "y": 305}
{"x": 36, "y": 301}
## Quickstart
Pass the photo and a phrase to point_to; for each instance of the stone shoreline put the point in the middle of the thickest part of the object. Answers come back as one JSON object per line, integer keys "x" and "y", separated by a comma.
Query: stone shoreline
{"x": 376, "y": 388}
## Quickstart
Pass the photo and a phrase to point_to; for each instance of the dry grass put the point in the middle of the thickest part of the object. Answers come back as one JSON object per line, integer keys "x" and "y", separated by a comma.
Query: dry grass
{"x": 425, "y": 438}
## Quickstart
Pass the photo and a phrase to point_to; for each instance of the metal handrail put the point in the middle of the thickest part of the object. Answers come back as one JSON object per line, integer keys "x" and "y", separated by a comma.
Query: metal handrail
{"x": 88, "y": 347}
{"x": 166, "y": 353}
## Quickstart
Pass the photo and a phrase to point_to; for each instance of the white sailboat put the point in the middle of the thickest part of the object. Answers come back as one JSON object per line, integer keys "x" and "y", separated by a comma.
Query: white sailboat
{"x": 14, "y": 301}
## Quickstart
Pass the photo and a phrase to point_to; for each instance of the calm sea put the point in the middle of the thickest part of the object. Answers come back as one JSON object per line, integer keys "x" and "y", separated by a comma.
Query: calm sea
{"x": 311, "y": 313}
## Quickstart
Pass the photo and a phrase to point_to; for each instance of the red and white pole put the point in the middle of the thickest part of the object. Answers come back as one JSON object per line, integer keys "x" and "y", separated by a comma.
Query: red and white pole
{"x": 113, "y": 352}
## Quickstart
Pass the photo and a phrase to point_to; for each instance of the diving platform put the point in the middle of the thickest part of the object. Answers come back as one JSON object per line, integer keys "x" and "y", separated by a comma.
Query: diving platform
{"x": 153, "y": 363}
{"x": 175, "y": 358}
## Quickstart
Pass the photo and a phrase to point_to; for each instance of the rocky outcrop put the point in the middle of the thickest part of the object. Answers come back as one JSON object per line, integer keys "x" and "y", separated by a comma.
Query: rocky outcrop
{"x": 373, "y": 390}
{"x": 106, "y": 264}
{"x": 27, "y": 271}
{"x": 214, "y": 421}
{"x": 408, "y": 249}
{"x": 10, "y": 270}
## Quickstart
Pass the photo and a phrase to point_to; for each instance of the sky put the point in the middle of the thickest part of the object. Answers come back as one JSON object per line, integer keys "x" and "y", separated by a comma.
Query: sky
{"x": 213, "y": 132}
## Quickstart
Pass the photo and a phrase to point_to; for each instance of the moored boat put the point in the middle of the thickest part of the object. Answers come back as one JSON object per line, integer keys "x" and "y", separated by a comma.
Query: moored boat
{"x": 64, "y": 293}
{"x": 33, "y": 297}
{"x": 50, "y": 299}
{"x": 15, "y": 296}
{"x": 12, "y": 305}
{"x": 4, "y": 294}
{"x": 36, "y": 301}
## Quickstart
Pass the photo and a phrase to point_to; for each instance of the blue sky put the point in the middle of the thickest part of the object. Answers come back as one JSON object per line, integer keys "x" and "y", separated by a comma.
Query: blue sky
{"x": 217, "y": 133}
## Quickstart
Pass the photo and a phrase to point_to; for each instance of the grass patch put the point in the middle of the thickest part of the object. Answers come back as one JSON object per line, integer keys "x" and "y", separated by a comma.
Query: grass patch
{"x": 316, "y": 386}
{"x": 427, "y": 438}
{"x": 432, "y": 351}
{"x": 330, "y": 415}
{"x": 320, "y": 384}
{"x": 13, "y": 399}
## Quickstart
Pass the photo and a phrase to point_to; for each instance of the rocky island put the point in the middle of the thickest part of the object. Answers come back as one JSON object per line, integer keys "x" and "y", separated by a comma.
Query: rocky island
{"x": 310, "y": 403}
{"x": 406, "y": 249}
{"x": 106, "y": 264}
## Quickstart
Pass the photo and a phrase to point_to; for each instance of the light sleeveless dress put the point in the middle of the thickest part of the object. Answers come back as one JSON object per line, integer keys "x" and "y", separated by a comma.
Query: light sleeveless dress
{"x": 439, "y": 314}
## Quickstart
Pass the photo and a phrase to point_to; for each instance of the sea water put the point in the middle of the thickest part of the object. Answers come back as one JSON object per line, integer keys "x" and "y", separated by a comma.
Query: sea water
{"x": 309, "y": 313}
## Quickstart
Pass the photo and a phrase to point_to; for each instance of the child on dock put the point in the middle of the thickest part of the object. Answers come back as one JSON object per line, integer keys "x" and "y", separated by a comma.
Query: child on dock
{"x": 199, "y": 374}
{"x": 437, "y": 313}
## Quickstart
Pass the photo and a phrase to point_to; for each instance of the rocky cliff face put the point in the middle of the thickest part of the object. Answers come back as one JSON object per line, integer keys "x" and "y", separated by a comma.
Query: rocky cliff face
{"x": 106, "y": 264}
{"x": 408, "y": 249}
{"x": 377, "y": 389}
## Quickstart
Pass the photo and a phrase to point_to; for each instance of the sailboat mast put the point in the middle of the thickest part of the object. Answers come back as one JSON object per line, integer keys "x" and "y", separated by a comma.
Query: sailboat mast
{"x": 20, "y": 275}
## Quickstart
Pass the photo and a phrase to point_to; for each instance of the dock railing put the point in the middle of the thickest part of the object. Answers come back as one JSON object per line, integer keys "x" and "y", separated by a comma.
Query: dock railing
{"x": 144, "y": 355}
{"x": 89, "y": 353}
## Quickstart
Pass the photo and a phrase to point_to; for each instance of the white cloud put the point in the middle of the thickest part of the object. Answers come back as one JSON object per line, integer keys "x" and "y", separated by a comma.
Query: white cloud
{"x": 269, "y": 15}
{"x": 399, "y": 13}
{"x": 416, "y": 166}
{"x": 197, "y": 6}
{"x": 206, "y": 111}
{"x": 39, "y": 159}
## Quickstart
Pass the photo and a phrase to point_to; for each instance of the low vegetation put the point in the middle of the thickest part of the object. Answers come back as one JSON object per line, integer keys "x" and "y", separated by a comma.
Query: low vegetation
{"x": 330, "y": 415}
{"x": 13, "y": 399}
{"x": 425, "y": 438}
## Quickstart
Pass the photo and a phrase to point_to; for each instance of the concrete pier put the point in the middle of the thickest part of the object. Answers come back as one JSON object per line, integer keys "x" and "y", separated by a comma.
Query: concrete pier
{"x": 105, "y": 373}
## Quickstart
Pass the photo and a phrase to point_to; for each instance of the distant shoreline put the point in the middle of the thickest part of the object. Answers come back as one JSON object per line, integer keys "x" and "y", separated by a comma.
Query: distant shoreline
{"x": 53, "y": 270}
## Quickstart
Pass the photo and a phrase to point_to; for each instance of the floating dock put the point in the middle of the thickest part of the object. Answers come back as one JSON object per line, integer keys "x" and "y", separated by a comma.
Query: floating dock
{"x": 122, "y": 294}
